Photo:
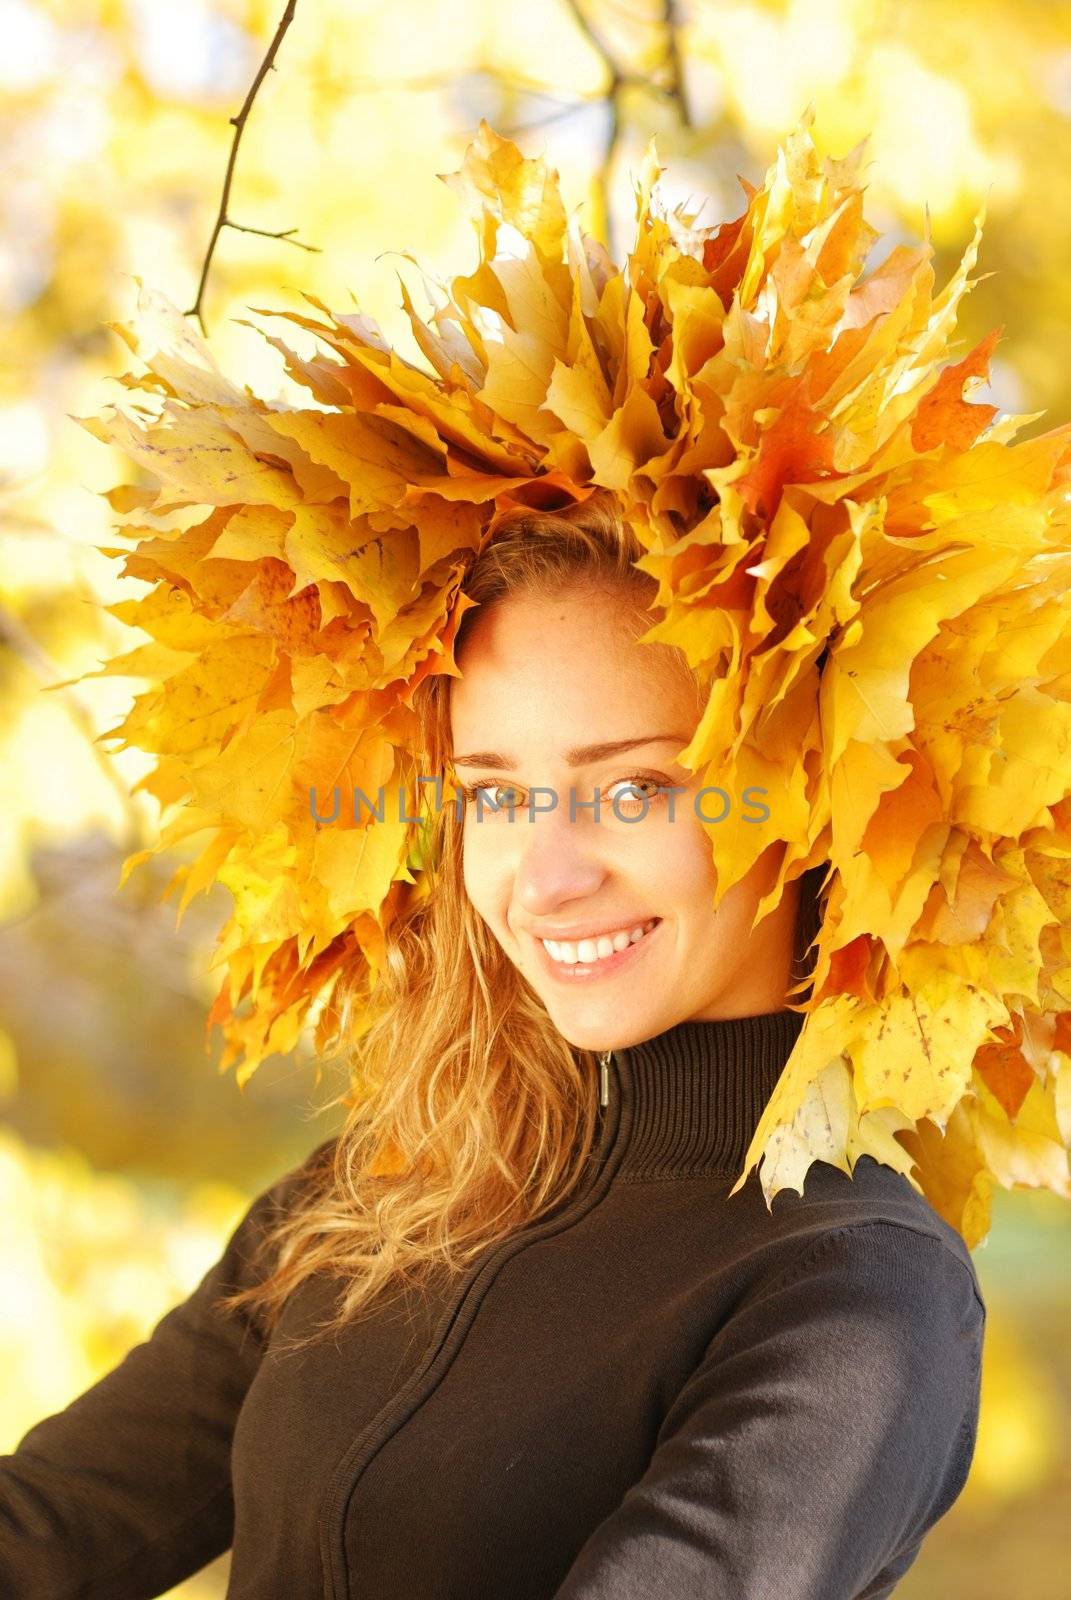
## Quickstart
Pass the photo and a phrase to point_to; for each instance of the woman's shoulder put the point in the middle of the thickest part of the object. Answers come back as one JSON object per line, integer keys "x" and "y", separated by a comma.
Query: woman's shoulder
{"x": 873, "y": 1208}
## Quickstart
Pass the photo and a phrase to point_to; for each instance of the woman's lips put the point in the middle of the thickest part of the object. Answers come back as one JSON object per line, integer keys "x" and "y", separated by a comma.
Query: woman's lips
{"x": 592, "y": 971}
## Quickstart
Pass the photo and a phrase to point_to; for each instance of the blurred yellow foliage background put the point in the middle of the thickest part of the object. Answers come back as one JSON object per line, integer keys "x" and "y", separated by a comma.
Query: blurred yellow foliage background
{"x": 125, "y": 1156}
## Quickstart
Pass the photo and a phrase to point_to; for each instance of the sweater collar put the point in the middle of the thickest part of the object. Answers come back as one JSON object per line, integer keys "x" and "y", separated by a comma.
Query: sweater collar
{"x": 691, "y": 1097}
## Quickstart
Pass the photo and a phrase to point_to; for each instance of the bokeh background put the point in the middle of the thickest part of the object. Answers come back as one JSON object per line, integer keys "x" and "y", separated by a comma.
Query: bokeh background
{"x": 125, "y": 1154}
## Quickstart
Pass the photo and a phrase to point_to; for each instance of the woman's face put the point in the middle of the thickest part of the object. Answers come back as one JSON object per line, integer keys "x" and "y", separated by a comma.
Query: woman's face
{"x": 541, "y": 679}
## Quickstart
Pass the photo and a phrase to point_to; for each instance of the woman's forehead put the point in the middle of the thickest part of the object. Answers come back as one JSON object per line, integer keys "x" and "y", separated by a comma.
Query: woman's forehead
{"x": 553, "y": 679}
{"x": 511, "y": 633}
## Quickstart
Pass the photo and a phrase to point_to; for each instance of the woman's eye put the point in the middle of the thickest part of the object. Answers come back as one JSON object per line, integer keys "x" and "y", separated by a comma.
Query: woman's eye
{"x": 493, "y": 796}
{"x": 632, "y": 791}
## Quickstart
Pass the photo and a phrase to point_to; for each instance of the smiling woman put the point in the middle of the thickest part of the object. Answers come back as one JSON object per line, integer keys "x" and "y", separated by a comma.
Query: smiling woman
{"x": 531, "y": 1325}
{"x": 793, "y": 1390}
{"x": 562, "y": 1359}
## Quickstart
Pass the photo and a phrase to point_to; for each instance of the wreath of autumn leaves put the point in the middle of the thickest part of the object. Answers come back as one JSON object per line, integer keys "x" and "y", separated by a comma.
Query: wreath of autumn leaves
{"x": 870, "y": 573}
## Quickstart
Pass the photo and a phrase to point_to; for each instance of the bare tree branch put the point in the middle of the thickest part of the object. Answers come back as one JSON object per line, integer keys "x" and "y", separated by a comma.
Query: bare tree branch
{"x": 510, "y": 130}
{"x": 436, "y": 81}
{"x": 616, "y": 80}
{"x": 671, "y": 21}
{"x": 20, "y": 641}
{"x": 449, "y": 80}
{"x": 238, "y": 123}
{"x": 274, "y": 233}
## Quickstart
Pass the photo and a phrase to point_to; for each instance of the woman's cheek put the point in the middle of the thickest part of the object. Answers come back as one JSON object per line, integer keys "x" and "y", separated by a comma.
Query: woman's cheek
{"x": 479, "y": 869}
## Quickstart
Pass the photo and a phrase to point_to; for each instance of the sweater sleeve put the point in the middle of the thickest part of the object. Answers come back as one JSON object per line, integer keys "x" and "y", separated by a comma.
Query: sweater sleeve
{"x": 829, "y": 1425}
{"x": 128, "y": 1490}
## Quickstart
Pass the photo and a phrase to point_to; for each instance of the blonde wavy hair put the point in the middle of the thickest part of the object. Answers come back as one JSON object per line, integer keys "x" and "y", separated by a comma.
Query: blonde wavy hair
{"x": 472, "y": 1117}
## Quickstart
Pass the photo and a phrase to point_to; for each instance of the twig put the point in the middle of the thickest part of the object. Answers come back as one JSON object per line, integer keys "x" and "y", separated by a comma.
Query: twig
{"x": 272, "y": 233}
{"x": 238, "y": 123}
{"x": 510, "y": 129}
{"x": 450, "y": 80}
{"x": 616, "y": 80}
{"x": 21, "y": 643}
{"x": 671, "y": 22}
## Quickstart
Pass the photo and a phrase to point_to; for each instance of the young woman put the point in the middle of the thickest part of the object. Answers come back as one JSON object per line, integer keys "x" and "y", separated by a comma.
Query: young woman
{"x": 508, "y": 1335}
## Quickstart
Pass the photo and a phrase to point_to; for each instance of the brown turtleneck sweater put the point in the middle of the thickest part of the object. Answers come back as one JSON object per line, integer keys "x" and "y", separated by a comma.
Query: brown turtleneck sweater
{"x": 657, "y": 1392}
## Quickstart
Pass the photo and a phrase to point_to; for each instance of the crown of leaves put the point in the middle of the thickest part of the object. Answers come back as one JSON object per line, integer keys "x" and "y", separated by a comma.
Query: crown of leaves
{"x": 869, "y": 572}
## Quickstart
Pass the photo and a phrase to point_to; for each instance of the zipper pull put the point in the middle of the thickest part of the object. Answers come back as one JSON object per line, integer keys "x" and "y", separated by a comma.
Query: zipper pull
{"x": 604, "y": 1077}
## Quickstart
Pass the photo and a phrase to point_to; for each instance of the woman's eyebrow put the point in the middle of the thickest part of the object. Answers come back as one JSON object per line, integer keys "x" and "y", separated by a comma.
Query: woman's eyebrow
{"x": 581, "y": 755}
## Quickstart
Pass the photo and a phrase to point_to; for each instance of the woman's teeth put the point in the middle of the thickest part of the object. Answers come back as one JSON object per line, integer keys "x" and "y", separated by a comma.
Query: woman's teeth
{"x": 587, "y": 951}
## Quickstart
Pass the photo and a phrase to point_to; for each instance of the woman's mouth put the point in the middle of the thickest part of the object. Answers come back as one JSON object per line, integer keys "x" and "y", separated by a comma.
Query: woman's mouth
{"x": 596, "y": 958}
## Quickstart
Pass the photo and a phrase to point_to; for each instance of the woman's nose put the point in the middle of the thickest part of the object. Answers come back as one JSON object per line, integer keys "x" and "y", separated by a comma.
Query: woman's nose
{"x": 558, "y": 858}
